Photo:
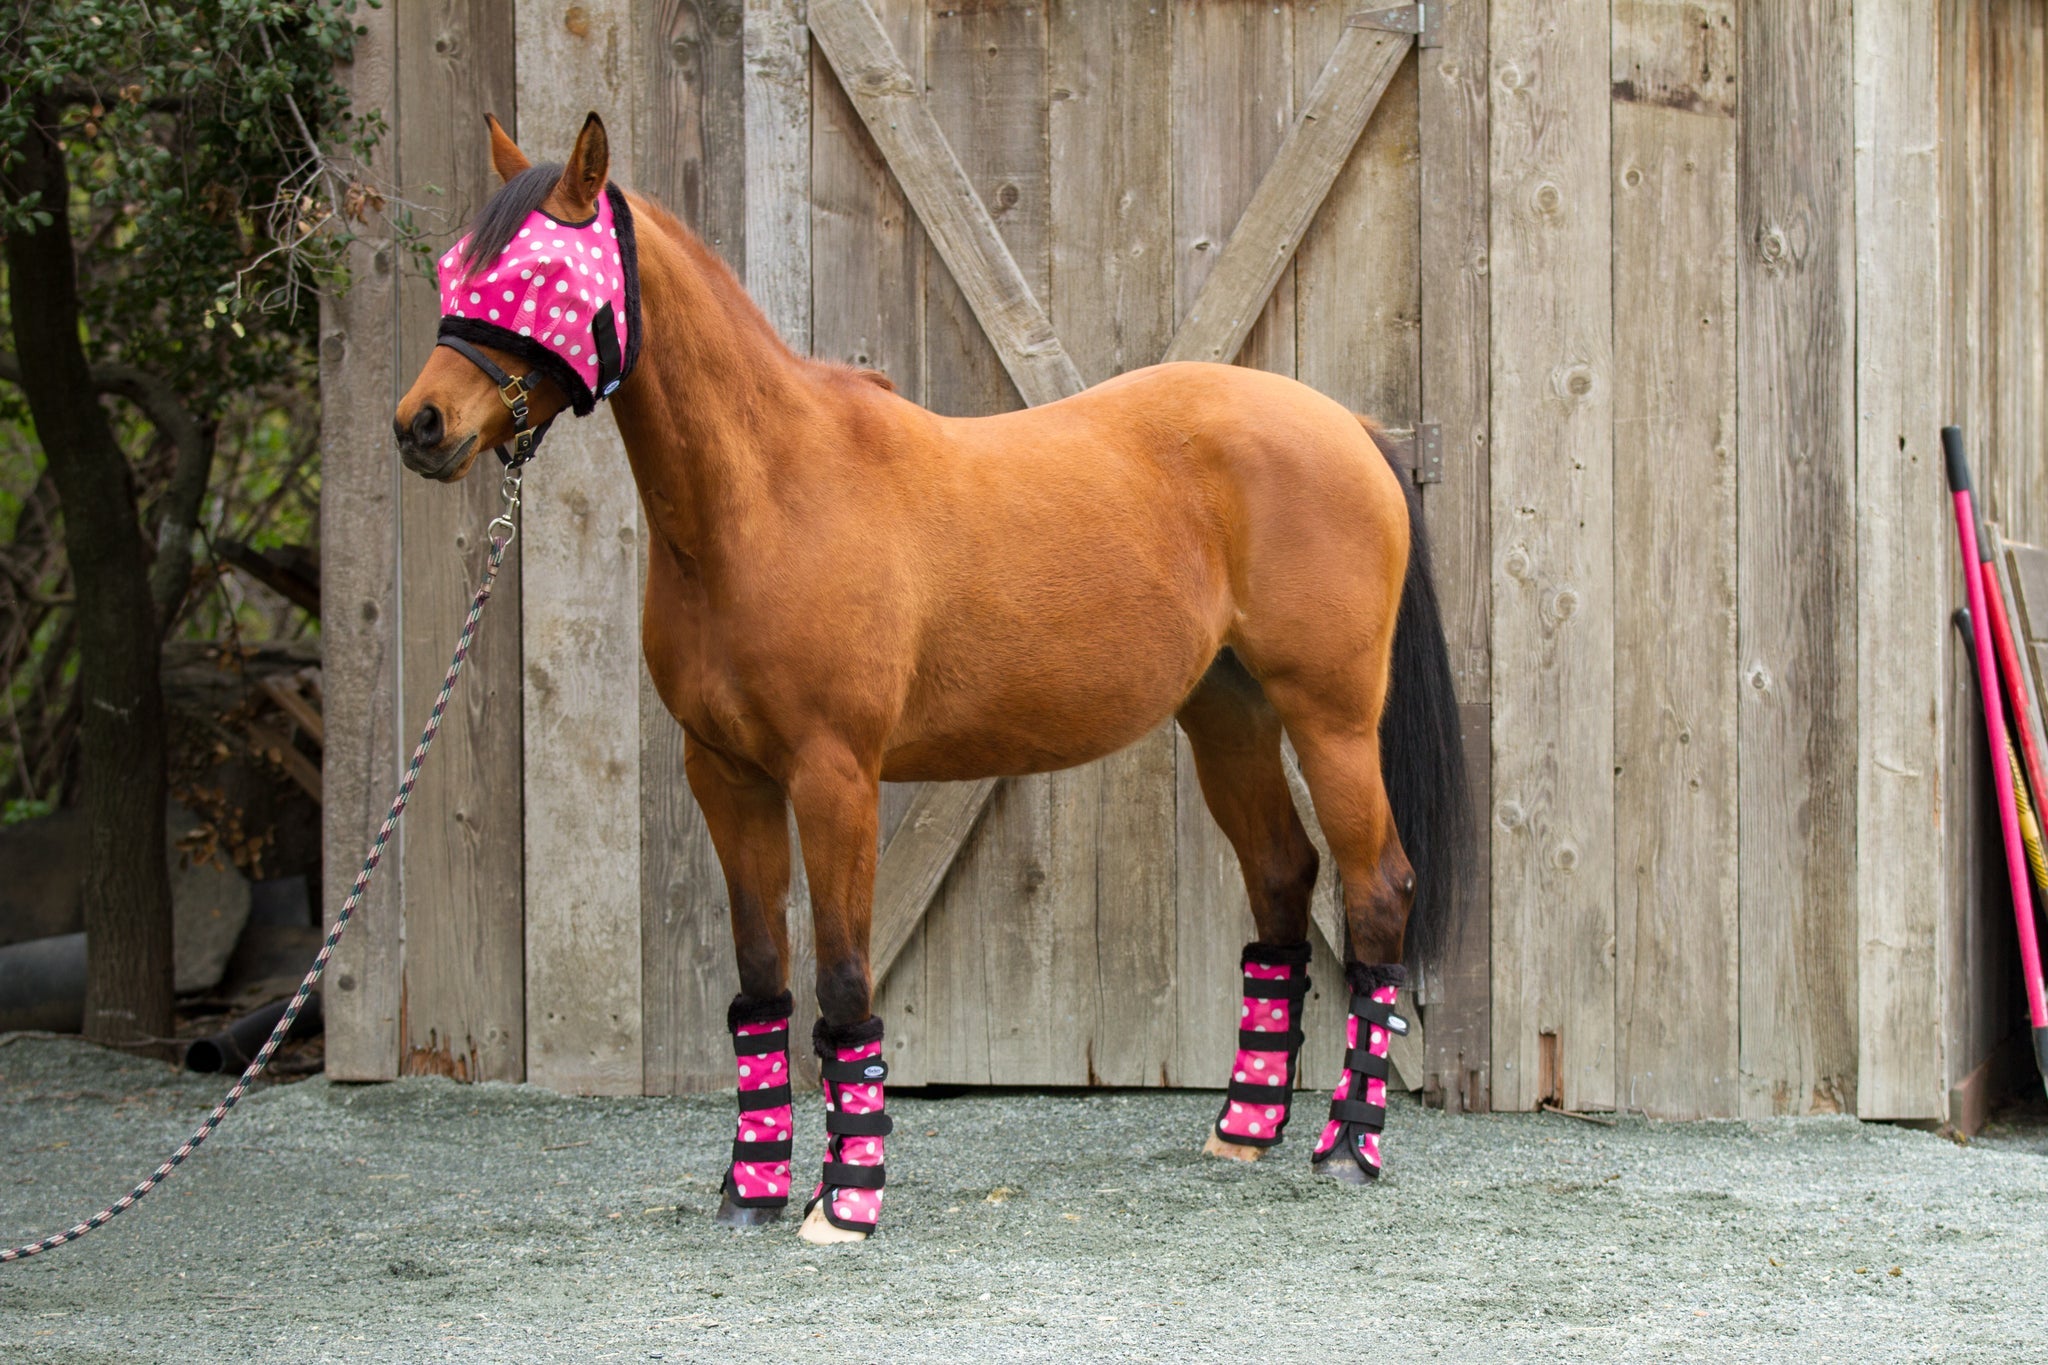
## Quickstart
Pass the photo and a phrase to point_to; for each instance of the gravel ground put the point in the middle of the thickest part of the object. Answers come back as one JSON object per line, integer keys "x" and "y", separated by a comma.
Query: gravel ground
{"x": 428, "y": 1221}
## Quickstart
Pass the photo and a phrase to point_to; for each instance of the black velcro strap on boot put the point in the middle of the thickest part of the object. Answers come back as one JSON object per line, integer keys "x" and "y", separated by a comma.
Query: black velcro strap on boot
{"x": 779, "y": 1150}
{"x": 1258, "y": 1092}
{"x": 866, "y": 1071}
{"x": 1251, "y": 1040}
{"x": 1290, "y": 988}
{"x": 1362, "y": 1063}
{"x": 1373, "y": 1012}
{"x": 839, "y": 1175}
{"x": 754, "y": 1044}
{"x": 767, "y": 1097}
{"x": 1369, "y": 1116}
{"x": 858, "y": 1125}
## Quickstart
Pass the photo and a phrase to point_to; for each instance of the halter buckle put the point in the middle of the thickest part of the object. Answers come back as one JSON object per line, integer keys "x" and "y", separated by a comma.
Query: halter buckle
{"x": 514, "y": 392}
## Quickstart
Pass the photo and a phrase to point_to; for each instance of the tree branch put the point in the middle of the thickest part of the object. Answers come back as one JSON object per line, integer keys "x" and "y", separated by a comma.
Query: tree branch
{"x": 170, "y": 576}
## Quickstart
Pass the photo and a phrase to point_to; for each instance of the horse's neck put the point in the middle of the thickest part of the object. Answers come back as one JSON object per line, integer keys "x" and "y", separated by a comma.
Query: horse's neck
{"x": 711, "y": 394}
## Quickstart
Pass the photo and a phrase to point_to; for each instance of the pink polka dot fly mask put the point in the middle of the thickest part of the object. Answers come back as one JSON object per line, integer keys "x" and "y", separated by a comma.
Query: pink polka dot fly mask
{"x": 562, "y": 296}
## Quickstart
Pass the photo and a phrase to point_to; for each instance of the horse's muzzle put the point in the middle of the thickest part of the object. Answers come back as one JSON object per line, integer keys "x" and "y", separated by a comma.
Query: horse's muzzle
{"x": 435, "y": 463}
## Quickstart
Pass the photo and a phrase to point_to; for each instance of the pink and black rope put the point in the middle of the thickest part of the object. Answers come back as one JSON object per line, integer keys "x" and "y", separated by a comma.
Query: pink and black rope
{"x": 499, "y": 543}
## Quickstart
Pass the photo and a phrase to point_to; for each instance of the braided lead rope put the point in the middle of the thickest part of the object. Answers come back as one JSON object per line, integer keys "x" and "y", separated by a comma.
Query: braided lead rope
{"x": 501, "y": 532}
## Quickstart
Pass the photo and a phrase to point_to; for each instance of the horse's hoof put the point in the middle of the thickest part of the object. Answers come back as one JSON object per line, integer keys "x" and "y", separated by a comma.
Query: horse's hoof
{"x": 733, "y": 1215}
{"x": 1340, "y": 1168}
{"x": 818, "y": 1230}
{"x": 1218, "y": 1145}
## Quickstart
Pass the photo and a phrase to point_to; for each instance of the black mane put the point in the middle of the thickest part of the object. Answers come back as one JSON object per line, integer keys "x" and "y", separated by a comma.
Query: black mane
{"x": 490, "y": 232}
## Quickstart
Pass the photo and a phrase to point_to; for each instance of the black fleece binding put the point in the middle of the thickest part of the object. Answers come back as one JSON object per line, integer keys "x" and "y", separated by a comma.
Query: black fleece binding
{"x": 582, "y": 401}
{"x": 832, "y": 1074}
{"x": 748, "y": 1010}
{"x": 1294, "y": 990}
{"x": 1358, "y": 1117}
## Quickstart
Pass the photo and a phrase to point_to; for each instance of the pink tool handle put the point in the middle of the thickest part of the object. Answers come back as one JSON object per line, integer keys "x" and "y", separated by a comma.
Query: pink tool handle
{"x": 2001, "y": 768}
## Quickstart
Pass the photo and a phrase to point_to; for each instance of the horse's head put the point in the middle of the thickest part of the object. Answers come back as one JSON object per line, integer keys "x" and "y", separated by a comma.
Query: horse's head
{"x": 540, "y": 310}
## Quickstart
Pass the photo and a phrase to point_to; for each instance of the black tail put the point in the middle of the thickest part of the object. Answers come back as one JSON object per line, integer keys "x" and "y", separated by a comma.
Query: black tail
{"x": 1422, "y": 748}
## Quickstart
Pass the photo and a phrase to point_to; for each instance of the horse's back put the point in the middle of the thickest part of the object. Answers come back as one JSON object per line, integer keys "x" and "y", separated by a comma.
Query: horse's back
{"x": 1090, "y": 557}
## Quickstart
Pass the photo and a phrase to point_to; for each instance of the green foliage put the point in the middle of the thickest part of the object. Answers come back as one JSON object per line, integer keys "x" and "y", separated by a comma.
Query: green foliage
{"x": 206, "y": 142}
{"x": 217, "y": 175}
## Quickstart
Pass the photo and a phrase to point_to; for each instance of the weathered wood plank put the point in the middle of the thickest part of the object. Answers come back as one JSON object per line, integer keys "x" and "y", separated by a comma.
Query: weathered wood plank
{"x": 866, "y": 241}
{"x": 1553, "y": 604}
{"x": 1797, "y": 576}
{"x": 1362, "y": 347}
{"x": 778, "y": 169}
{"x": 692, "y": 159}
{"x": 1457, "y": 1062}
{"x": 1456, "y": 356}
{"x": 1232, "y": 101}
{"x": 582, "y": 665}
{"x": 1901, "y": 554}
{"x": 359, "y": 610}
{"x": 1674, "y": 543}
{"x": 898, "y": 117}
{"x": 941, "y": 816}
{"x": 1981, "y": 988}
{"x": 463, "y": 1013}
{"x": 1111, "y": 226}
{"x": 1215, "y": 324}
{"x": 1456, "y": 362}
{"x": 1008, "y": 920}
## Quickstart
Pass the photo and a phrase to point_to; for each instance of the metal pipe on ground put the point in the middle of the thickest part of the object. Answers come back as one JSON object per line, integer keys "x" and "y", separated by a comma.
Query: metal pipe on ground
{"x": 42, "y": 984}
{"x": 235, "y": 1046}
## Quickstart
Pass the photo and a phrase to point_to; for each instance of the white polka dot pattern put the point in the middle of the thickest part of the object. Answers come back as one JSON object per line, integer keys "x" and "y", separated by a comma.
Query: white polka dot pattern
{"x": 544, "y": 275}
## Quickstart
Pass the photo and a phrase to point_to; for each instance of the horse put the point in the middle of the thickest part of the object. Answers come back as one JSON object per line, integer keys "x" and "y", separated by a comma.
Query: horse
{"x": 844, "y": 588}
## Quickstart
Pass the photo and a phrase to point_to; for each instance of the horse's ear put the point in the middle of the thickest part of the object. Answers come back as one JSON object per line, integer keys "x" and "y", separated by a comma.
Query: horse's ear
{"x": 583, "y": 177}
{"x": 506, "y": 158}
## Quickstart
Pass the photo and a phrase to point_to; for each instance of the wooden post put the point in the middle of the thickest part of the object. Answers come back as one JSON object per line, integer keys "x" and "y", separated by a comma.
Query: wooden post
{"x": 463, "y": 1012}
{"x": 692, "y": 159}
{"x": 582, "y": 656}
{"x": 1676, "y": 700}
{"x": 1456, "y": 315}
{"x": 1112, "y": 295}
{"x": 1796, "y": 580}
{"x": 1553, "y": 603}
{"x": 1902, "y": 560}
{"x": 359, "y": 611}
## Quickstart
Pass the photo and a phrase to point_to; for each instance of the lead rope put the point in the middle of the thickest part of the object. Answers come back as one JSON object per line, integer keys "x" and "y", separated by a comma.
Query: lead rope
{"x": 501, "y": 531}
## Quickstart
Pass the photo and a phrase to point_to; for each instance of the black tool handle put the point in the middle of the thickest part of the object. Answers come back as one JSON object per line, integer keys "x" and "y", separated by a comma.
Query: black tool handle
{"x": 1958, "y": 464}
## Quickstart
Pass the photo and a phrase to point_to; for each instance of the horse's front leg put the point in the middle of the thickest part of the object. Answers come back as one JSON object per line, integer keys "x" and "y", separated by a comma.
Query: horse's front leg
{"x": 835, "y": 793}
{"x": 748, "y": 819}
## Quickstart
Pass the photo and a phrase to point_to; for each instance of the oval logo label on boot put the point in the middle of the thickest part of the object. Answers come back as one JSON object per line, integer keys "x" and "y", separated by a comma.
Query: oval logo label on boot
{"x": 876, "y": 1072}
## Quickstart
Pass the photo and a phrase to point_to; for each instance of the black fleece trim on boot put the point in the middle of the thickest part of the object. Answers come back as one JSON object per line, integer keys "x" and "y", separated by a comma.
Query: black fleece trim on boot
{"x": 826, "y": 1037}
{"x": 745, "y": 1009}
{"x": 1276, "y": 954}
{"x": 1367, "y": 977}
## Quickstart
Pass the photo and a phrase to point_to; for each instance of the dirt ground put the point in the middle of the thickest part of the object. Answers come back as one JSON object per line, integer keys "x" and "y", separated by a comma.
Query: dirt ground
{"x": 428, "y": 1221}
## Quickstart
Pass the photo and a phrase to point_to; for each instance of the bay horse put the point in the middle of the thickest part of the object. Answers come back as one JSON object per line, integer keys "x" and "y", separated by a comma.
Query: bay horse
{"x": 844, "y": 588}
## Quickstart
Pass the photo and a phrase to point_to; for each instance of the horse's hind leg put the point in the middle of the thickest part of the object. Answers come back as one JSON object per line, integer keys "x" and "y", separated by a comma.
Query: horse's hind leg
{"x": 748, "y": 819}
{"x": 1337, "y": 740}
{"x": 1235, "y": 735}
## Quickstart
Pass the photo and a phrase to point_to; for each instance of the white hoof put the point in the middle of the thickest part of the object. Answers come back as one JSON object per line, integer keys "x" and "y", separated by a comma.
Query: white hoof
{"x": 1218, "y": 1145}
{"x": 819, "y": 1231}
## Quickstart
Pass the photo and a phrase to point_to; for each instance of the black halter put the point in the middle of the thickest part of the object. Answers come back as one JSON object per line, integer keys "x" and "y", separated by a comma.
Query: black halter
{"x": 513, "y": 393}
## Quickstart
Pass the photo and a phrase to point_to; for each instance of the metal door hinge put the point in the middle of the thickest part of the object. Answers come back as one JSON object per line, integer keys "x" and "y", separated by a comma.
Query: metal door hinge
{"x": 1425, "y": 21}
{"x": 1429, "y": 453}
{"x": 1420, "y": 452}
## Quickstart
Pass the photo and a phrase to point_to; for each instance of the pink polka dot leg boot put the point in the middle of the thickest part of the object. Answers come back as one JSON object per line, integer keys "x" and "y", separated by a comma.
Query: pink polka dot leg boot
{"x": 1349, "y": 1148}
{"x": 851, "y": 1073}
{"x": 1262, "y": 1075}
{"x": 757, "y": 1182}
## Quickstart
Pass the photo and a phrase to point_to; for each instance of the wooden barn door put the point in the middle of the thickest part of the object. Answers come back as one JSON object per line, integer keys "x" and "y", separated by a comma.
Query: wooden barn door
{"x": 1010, "y": 203}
